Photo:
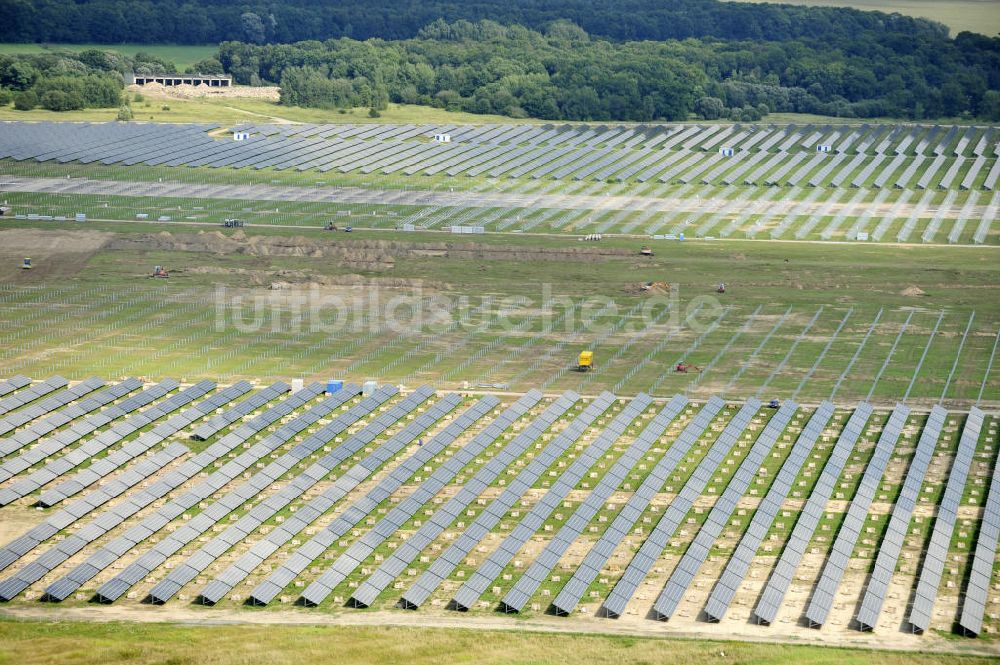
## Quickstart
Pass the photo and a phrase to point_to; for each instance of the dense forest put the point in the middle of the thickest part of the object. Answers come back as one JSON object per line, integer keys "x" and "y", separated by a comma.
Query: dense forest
{"x": 283, "y": 21}
{"x": 565, "y": 74}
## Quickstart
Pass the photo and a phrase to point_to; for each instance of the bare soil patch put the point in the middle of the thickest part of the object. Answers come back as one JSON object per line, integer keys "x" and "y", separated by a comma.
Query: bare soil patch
{"x": 52, "y": 253}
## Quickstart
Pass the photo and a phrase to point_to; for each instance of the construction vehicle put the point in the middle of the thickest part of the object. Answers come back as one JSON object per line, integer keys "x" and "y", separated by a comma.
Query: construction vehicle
{"x": 585, "y": 362}
{"x": 656, "y": 286}
{"x": 684, "y": 368}
{"x": 4, "y": 210}
{"x": 26, "y": 265}
{"x": 646, "y": 250}
{"x": 721, "y": 288}
{"x": 160, "y": 272}
{"x": 234, "y": 223}
{"x": 330, "y": 226}
{"x": 774, "y": 404}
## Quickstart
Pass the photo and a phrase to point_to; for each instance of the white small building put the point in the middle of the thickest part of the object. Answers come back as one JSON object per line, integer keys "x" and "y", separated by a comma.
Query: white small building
{"x": 442, "y": 138}
{"x": 726, "y": 152}
{"x": 241, "y": 136}
{"x": 823, "y": 147}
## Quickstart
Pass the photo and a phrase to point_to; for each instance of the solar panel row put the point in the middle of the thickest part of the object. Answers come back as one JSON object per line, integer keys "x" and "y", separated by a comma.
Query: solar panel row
{"x": 983, "y": 563}
{"x": 382, "y": 530}
{"x": 13, "y": 383}
{"x": 473, "y": 588}
{"x": 651, "y": 549}
{"x": 892, "y": 542}
{"x": 528, "y": 583}
{"x": 696, "y": 553}
{"x": 113, "y": 550}
{"x": 836, "y": 564}
{"x": 148, "y": 561}
{"x": 736, "y": 569}
{"x": 781, "y": 577}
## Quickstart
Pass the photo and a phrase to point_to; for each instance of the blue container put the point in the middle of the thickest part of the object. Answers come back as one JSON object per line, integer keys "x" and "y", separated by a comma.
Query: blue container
{"x": 333, "y": 386}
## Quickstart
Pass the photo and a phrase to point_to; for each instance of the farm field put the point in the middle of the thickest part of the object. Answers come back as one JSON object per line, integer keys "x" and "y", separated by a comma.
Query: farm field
{"x": 156, "y": 464}
{"x": 981, "y": 16}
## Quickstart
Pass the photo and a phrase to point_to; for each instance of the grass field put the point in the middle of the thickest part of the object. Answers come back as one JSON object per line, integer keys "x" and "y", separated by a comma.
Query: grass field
{"x": 33, "y": 643}
{"x": 234, "y": 110}
{"x": 982, "y": 16}
{"x": 782, "y": 307}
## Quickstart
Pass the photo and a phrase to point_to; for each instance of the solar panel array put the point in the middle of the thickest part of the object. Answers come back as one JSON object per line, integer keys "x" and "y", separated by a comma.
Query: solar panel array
{"x": 276, "y": 464}
{"x": 217, "y": 546}
{"x": 892, "y": 542}
{"x": 652, "y": 548}
{"x": 118, "y": 585}
{"x": 570, "y": 595}
{"x": 983, "y": 563}
{"x": 105, "y": 493}
{"x": 41, "y": 428}
{"x": 446, "y": 515}
{"x": 37, "y": 409}
{"x": 105, "y": 556}
{"x": 69, "y": 436}
{"x": 13, "y": 383}
{"x": 236, "y": 572}
{"x": 472, "y": 589}
{"x": 521, "y": 592}
{"x": 936, "y": 556}
{"x": 836, "y": 564}
{"x": 249, "y": 405}
{"x": 316, "y": 592}
{"x": 791, "y": 556}
{"x": 446, "y": 563}
{"x": 695, "y": 555}
{"x": 569, "y": 151}
{"x": 736, "y": 569}
{"x": 113, "y": 517}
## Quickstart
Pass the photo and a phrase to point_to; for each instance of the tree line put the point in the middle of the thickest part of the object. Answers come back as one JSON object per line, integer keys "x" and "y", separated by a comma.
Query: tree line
{"x": 564, "y": 73}
{"x": 68, "y": 81}
{"x": 285, "y": 21}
